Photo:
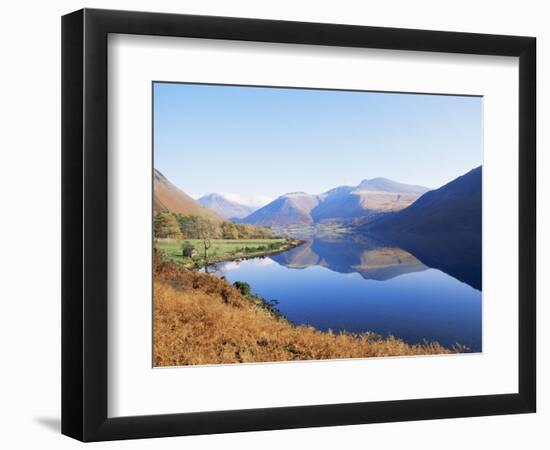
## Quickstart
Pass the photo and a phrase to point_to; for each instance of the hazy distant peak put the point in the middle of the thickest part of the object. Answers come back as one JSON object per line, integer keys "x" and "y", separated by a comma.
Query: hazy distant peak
{"x": 228, "y": 206}
{"x": 212, "y": 195}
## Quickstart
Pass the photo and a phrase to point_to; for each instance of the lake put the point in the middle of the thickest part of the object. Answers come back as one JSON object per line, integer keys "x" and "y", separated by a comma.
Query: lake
{"x": 416, "y": 291}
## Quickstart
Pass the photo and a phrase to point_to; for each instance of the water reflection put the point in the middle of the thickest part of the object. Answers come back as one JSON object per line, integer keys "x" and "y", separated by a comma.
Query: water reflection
{"x": 382, "y": 257}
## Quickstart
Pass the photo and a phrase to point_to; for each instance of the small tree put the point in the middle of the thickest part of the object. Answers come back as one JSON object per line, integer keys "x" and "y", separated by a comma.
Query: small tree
{"x": 165, "y": 225}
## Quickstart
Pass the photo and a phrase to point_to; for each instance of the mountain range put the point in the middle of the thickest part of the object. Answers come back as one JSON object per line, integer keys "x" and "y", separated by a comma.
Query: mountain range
{"x": 343, "y": 203}
{"x": 375, "y": 205}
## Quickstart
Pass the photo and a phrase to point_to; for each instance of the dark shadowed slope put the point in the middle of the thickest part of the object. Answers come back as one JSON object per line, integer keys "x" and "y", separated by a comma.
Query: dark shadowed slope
{"x": 225, "y": 207}
{"x": 168, "y": 197}
{"x": 454, "y": 207}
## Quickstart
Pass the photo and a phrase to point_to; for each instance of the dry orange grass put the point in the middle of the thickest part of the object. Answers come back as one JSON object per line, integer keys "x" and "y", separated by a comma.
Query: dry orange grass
{"x": 201, "y": 319}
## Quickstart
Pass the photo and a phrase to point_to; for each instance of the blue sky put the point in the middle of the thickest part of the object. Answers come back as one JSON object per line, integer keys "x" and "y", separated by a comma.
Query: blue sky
{"x": 253, "y": 141}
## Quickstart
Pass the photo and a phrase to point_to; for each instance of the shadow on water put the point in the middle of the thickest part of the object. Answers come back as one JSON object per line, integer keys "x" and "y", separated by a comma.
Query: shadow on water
{"x": 457, "y": 254}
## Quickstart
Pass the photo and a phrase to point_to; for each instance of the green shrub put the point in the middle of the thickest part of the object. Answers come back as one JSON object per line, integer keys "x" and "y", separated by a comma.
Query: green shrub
{"x": 243, "y": 287}
{"x": 187, "y": 250}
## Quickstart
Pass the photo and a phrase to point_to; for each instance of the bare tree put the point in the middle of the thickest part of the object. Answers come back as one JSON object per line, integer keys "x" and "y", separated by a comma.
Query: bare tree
{"x": 206, "y": 230}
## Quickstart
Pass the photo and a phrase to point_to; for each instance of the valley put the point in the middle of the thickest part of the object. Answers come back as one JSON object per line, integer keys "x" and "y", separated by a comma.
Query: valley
{"x": 379, "y": 257}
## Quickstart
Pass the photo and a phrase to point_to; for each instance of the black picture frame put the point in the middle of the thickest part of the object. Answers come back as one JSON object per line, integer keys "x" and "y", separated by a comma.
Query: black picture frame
{"x": 84, "y": 224}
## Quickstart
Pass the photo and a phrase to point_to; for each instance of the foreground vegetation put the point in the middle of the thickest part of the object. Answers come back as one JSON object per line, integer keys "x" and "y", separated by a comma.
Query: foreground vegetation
{"x": 202, "y": 319}
{"x": 190, "y": 252}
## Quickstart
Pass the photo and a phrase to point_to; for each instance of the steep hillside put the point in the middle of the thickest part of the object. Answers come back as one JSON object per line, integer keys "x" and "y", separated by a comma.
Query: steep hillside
{"x": 168, "y": 197}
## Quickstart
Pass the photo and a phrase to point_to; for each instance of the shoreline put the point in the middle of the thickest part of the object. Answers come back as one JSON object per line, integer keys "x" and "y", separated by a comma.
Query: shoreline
{"x": 243, "y": 257}
{"x": 196, "y": 264}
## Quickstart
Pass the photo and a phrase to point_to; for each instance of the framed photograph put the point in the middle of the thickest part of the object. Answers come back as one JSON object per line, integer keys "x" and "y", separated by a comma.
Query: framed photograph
{"x": 272, "y": 224}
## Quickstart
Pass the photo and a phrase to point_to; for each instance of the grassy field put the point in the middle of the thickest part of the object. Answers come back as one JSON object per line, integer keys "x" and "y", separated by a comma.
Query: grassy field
{"x": 221, "y": 249}
{"x": 202, "y": 319}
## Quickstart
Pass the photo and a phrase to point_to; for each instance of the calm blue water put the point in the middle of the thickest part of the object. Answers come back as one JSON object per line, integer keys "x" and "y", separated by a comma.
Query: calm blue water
{"x": 365, "y": 287}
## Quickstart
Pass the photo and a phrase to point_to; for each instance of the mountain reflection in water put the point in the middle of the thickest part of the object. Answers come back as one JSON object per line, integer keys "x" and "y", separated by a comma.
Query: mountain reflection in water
{"x": 371, "y": 259}
{"x": 382, "y": 257}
